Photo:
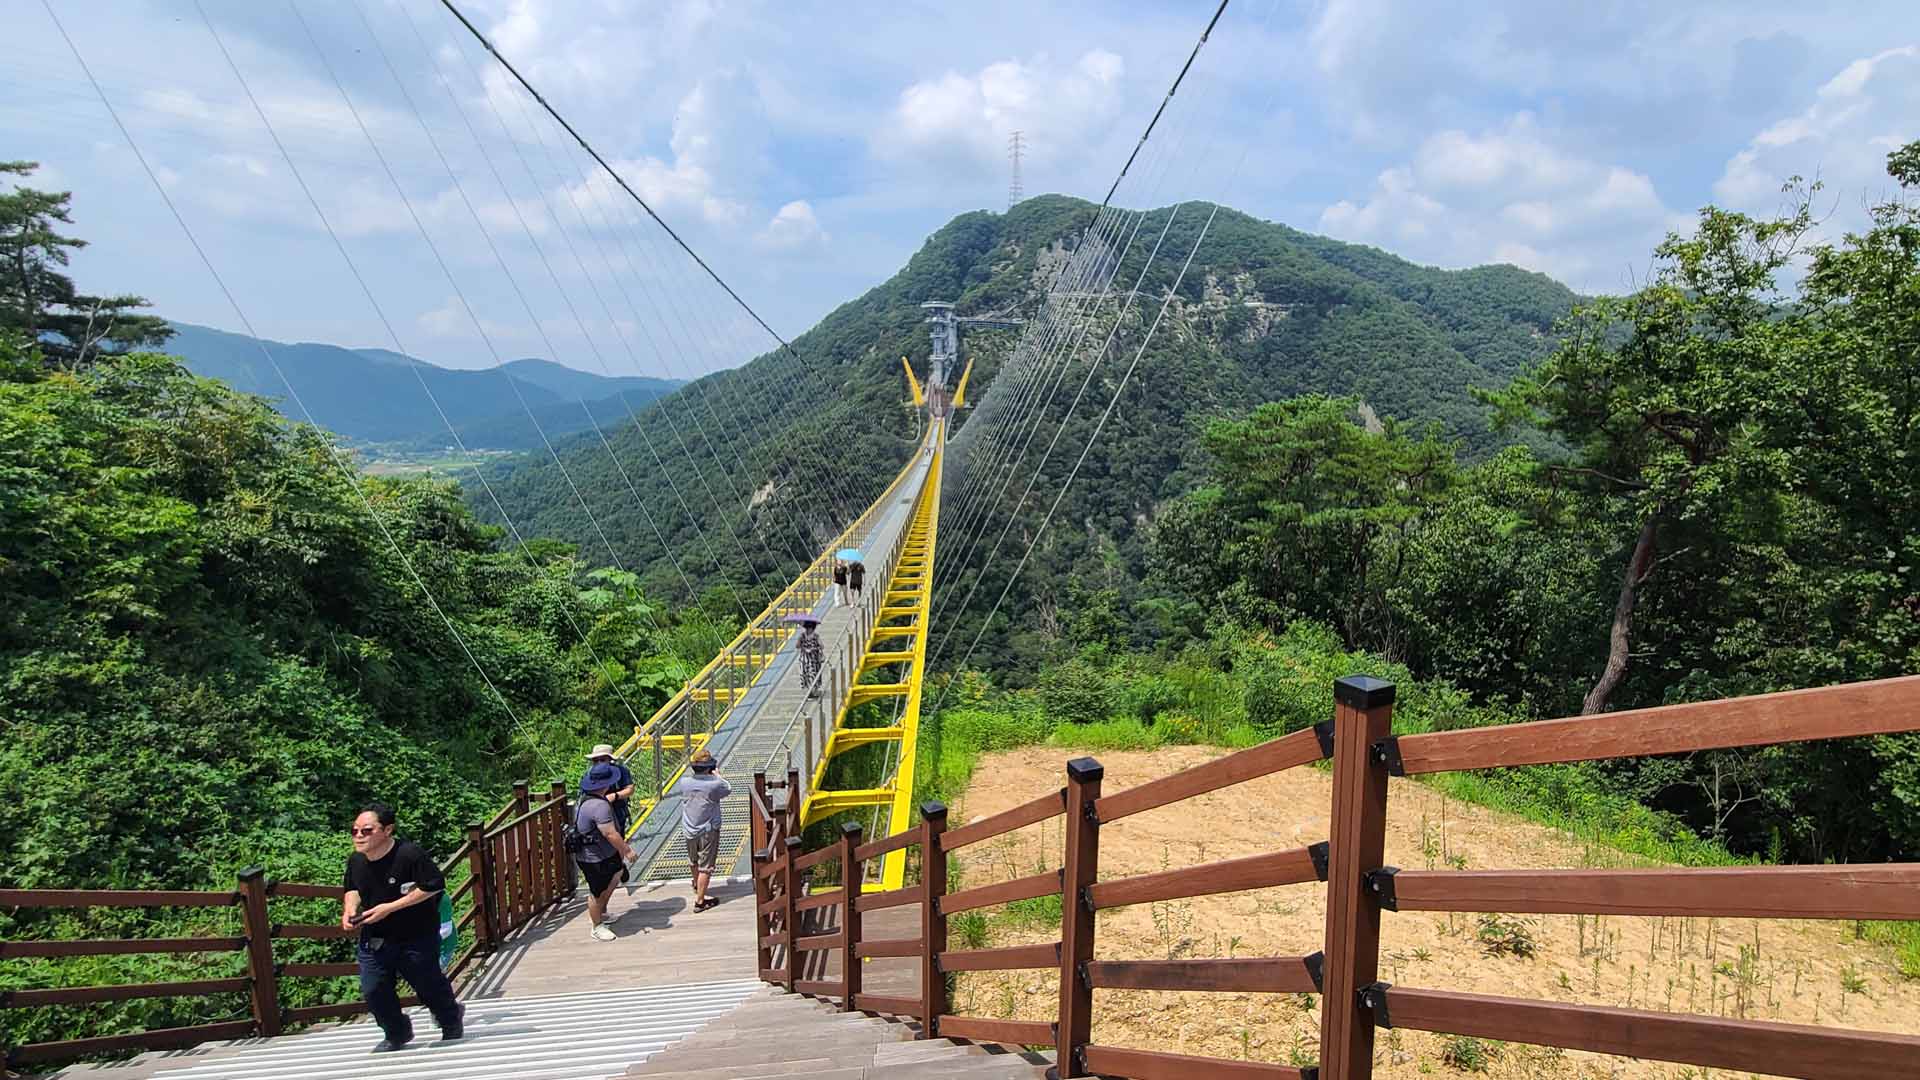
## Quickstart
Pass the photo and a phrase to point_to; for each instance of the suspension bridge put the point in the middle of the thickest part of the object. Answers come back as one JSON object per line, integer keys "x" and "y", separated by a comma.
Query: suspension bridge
{"x": 832, "y": 961}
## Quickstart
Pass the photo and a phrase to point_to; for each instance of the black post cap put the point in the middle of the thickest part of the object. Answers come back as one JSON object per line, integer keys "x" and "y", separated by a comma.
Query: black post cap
{"x": 850, "y": 828}
{"x": 1085, "y": 770}
{"x": 1362, "y": 691}
{"x": 792, "y": 842}
{"x": 252, "y": 872}
{"x": 933, "y": 808}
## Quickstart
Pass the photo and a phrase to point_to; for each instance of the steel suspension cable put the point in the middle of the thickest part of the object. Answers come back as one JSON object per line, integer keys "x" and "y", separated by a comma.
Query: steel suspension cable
{"x": 579, "y": 322}
{"x": 500, "y": 260}
{"x": 621, "y": 181}
{"x": 379, "y": 309}
{"x": 1107, "y": 414}
{"x": 352, "y": 478}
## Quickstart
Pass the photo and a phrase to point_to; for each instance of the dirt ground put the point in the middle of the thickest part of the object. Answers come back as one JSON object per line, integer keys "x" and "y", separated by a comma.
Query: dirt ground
{"x": 1796, "y": 971}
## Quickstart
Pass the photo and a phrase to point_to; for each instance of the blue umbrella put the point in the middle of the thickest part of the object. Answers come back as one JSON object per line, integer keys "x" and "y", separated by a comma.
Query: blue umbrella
{"x": 850, "y": 555}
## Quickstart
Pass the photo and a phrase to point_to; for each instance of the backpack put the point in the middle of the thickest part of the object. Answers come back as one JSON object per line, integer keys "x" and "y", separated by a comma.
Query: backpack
{"x": 572, "y": 838}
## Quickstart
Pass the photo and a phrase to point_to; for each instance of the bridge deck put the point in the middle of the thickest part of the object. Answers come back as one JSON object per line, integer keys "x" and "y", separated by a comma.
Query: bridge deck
{"x": 768, "y": 726}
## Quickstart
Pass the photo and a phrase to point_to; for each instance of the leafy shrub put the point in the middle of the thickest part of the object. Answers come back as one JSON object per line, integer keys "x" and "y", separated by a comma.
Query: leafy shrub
{"x": 1077, "y": 692}
{"x": 1467, "y": 1054}
{"x": 1500, "y": 935}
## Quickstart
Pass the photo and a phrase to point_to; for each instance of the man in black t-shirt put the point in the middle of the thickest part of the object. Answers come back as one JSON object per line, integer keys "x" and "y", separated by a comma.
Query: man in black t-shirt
{"x": 392, "y": 899}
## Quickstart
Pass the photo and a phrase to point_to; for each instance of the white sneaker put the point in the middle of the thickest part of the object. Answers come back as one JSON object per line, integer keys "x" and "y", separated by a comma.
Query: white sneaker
{"x": 603, "y": 933}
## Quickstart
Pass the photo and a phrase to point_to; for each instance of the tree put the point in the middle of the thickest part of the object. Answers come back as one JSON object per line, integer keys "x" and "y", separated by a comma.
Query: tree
{"x": 1661, "y": 395}
{"x": 40, "y": 301}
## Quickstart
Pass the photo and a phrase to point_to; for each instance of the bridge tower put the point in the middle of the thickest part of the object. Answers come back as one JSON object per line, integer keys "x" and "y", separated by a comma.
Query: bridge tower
{"x": 943, "y": 328}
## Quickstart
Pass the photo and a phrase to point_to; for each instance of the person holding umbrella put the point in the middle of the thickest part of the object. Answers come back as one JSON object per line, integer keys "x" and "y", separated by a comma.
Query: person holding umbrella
{"x": 849, "y": 574}
{"x": 839, "y": 583}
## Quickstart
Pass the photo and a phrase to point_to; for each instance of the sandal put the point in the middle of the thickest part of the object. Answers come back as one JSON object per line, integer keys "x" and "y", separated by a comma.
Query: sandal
{"x": 705, "y": 904}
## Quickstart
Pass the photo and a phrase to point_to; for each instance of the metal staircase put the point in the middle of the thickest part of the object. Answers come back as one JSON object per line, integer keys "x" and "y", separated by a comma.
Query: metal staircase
{"x": 585, "y": 1036}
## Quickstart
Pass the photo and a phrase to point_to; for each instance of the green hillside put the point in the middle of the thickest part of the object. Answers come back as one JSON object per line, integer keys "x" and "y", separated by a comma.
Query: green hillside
{"x": 1265, "y": 312}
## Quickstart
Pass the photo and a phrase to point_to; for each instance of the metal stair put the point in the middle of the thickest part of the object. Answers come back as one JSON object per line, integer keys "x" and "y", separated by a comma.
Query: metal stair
{"x": 583, "y": 1036}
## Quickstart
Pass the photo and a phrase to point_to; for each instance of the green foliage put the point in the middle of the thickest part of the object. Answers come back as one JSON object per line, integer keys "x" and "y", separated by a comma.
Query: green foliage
{"x": 1506, "y": 935}
{"x": 39, "y": 302}
{"x": 1468, "y": 1054}
{"x": 213, "y": 655}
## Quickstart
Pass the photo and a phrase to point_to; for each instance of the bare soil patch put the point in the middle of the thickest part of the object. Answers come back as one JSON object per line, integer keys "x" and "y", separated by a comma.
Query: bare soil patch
{"x": 1796, "y": 971}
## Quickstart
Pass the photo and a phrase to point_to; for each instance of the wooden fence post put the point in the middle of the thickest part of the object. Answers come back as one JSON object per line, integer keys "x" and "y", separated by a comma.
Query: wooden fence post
{"x": 263, "y": 982}
{"x": 482, "y": 891}
{"x": 758, "y": 840}
{"x": 789, "y": 890}
{"x": 1363, "y": 715}
{"x": 933, "y": 921}
{"x": 1079, "y": 871}
{"x": 850, "y": 875}
{"x": 521, "y": 867}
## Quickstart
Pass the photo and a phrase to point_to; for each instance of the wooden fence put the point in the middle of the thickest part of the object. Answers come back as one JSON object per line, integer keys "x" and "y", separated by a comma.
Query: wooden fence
{"x": 1360, "y": 890}
{"x": 510, "y": 869}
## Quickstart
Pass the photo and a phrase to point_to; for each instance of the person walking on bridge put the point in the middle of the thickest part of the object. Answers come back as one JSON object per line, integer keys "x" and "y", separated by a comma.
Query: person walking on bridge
{"x": 622, "y": 797}
{"x": 812, "y": 657}
{"x": 856, "y": 577}
{"x": 701, "y": 793}
{"x": 604, "y": 858}
{"x": 839, "y": 583}
{"x": 392, "y": 888}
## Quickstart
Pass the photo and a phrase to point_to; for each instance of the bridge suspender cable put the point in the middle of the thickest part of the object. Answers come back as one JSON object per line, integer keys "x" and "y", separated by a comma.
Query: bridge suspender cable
{"x": 617, "y": 178}
{"x": 1233, "y": 176}
{"x": 352, "y": 479}
{"x": 831, "y": 476}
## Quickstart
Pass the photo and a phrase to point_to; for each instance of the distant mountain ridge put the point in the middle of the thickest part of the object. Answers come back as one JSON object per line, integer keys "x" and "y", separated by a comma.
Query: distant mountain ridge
{"x": 373, "y": 395}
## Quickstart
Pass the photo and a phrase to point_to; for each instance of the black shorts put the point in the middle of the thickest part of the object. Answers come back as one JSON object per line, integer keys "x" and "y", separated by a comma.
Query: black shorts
{"x": 601, "y": 874}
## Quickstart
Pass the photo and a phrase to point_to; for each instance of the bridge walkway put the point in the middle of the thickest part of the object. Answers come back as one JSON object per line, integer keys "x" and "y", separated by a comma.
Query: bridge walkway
{"x": 774, "y": 723}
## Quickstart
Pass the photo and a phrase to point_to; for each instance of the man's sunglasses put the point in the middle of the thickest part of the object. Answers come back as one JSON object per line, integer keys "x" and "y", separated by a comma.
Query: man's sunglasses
{"x": 368, "y": 830}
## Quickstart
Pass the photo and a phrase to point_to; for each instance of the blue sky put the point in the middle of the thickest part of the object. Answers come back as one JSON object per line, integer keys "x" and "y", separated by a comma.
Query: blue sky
{"x": 807, "y": 150}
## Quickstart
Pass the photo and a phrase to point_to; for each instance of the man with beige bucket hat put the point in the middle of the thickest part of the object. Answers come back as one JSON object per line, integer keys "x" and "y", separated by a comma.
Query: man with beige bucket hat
{"x": 622, "y": 795}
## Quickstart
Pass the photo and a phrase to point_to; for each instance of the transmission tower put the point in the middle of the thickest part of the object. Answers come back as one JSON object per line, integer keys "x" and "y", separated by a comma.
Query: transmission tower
{"x": 1016, "y": 145}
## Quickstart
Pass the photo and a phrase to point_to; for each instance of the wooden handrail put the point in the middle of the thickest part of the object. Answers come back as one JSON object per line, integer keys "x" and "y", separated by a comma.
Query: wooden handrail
{"x": 869, "y": 852}
{"x": 1005, "y": 892}
{"x": 1882, "y": 707}
{"x": 120, "y": 947}
{"x": 1289, "y": 867}
{"x": 116, "y": 898}
{"x": 82, "y": 995}
{"x": 1265, "y": 975}
{"x": 1154, "y": 1065}
{"x": 531, "y": 813}
{"x": 1276, "y": 755}
{"x": 875, "y": 901}
{"x": 1044, "y": 808}
{"x": 980, "y": 1029}
{"x": 1881, "y": 891}
{"x": 1743, "y": 1045}
{"x": 1011, "y": 958}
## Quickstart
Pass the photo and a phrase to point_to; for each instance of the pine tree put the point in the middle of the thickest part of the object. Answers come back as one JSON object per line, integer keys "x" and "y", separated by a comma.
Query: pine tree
{"x": 40, "y": 301}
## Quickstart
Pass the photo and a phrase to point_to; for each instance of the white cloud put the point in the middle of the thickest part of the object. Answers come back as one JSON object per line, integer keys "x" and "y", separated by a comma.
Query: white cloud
{"x": 1509, "y": 195}
{"x": 794, "y": 228}
{"x": 1870, "y": 108}
{"x": 962, "y": 120}
{"x": 452, "y": 320}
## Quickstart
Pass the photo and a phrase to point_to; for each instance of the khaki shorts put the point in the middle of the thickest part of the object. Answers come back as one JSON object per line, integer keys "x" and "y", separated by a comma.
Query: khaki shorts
{"x": 703, "y": 849}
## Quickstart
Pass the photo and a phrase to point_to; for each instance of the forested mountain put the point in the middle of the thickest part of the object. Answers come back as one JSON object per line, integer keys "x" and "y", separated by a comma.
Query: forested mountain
{"x": 370, "y": 395}
{"x": 1265, "y": 312}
